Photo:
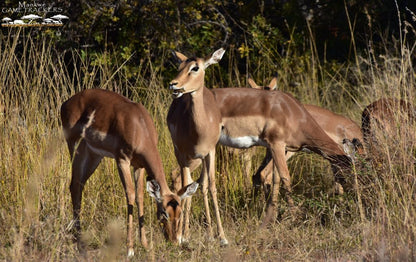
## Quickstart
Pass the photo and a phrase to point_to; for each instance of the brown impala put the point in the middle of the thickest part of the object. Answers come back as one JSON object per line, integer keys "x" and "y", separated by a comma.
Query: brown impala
{"x": 194, "y": 122}
{"x": 337, "y": 127}
{"x": 105, "y": 124}
{"x": 249, "y": 117}
{"x": 388, "y": 121}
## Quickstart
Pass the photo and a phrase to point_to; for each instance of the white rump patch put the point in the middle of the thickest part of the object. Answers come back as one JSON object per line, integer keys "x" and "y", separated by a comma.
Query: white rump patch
{"x": 88, "y": 124}
{"x": 241, "y": 142}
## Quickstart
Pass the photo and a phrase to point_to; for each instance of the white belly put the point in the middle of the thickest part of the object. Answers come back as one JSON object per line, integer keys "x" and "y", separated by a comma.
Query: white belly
{"x": 241, "y": 142}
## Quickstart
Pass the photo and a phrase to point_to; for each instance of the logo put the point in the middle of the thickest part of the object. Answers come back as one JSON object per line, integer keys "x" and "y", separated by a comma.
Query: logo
{"x": 33, "y": 14}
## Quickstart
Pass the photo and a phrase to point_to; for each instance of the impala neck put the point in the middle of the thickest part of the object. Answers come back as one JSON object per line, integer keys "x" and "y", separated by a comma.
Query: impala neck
{"x": 197, "y": 105}
{"x": 154, "y": 168}
{"x": 161, "y": 179}
{"x": 200, "y": 112}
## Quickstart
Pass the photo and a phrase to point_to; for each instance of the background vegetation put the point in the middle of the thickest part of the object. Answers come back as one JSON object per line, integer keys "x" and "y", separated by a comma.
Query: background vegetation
{"x": 340, "y": 55}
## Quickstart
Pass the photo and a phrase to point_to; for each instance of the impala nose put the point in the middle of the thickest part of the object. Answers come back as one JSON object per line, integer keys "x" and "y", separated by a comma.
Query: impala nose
{"x": 172, "y": 85}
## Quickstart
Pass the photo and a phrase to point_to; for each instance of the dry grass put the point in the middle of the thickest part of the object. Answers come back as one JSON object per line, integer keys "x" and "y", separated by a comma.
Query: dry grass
{"x": 35, "y": 205}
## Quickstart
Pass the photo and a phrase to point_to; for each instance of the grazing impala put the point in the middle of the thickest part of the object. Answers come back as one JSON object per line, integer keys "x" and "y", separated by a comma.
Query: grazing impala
{"x": 278, "y": 121}
{"x": 249, "y": 117}
{"x": 388, "y": 121}
{"x": 105, "y": 124}
{"x": 337, "y": 127}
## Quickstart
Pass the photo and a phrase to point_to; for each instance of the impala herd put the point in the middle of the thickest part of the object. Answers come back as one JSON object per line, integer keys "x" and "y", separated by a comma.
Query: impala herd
{"x": 99, "y": 123}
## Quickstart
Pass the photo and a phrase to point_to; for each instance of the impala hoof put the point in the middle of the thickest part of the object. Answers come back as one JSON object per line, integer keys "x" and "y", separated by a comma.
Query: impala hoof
{"x": 130, "y": 253}
{"x": 224, "y": 242}
{"x": 182, "y": 241}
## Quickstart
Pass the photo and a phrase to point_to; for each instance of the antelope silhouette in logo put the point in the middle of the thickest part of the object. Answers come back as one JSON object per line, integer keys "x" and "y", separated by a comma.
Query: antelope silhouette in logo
{"x": 99, "y": 123}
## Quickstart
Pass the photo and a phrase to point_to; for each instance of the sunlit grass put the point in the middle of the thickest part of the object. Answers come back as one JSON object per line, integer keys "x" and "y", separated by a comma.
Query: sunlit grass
{"x": 35, "y": 204}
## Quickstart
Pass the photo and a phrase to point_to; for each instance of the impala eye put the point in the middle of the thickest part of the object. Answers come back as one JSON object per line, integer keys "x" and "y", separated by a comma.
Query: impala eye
{"x": 195, "y": 69}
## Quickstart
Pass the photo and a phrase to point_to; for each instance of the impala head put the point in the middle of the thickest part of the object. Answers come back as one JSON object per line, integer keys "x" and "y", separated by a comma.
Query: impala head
{"x": 169, "y": 211}
{"x": 272, "y": 85}
{"x": 192, "y": 72}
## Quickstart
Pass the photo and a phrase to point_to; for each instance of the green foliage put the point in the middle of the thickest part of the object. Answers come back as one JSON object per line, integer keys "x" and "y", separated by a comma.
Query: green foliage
{"x": 124, "y": 46}
{"x": 268, "y": 36}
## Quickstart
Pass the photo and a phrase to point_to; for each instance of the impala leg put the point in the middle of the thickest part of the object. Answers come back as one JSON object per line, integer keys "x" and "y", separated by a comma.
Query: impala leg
{"x": 139, "y": 180}
{"x": 125, "y": 176}
{"x": 186, "y": 204}
{"x": 176, "y": 179}
{"x": 176, "y": 174}
{"x": 278, "y": 153}
{"x": 341, "y": 168}
{"x": 210, "y": 163}
{"x": 246, "y": 157}
{"x": 83, "y": 165}
{"x": 258, "y": 177}
{"x": 279, "y": 158}
{"x": 204, "y": 180}
{"x": 266, "y": 176}
{"x": 71, "y": 142}
{"x": 271, "y": 185}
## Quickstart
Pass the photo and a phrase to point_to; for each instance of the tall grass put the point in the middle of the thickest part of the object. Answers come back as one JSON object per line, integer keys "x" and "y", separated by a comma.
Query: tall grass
{"x": 35, "y": 205}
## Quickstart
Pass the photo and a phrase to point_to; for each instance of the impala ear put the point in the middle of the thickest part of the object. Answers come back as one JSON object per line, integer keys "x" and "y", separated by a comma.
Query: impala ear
{"x": 188, "y": 190}
{"x": 253, "y": 84}
{"x": 357, "y": 143}
{"x": 273, "y": 83}
{"x": 179, "y": 56}
{"x": 352, "y": 147}
{"x": 154, "y": 190}
{"x": 214, "y": 58}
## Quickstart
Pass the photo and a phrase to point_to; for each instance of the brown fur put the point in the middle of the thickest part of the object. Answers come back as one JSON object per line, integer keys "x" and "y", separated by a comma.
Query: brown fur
{"x": 278, "y": 121}
{"x": 194, "y": 123}
{"x": 387, "y": 121}
{"x": 107, "y": 124}
{"x": 336, "y": 126}
{"x": 283, "y": 123}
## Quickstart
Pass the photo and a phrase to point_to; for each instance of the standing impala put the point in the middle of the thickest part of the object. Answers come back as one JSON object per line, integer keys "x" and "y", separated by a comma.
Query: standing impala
{"x": 194, "y": 122}
{"x": 105, "y": 124}
{"x": 337, "y": 127}
{"x": 249, "y": 117}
